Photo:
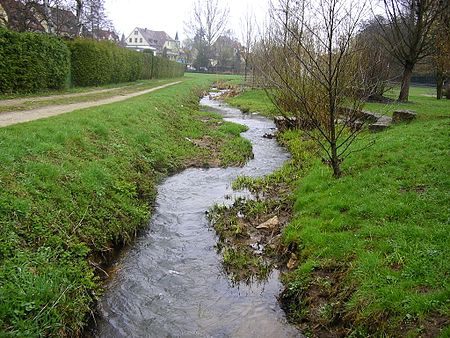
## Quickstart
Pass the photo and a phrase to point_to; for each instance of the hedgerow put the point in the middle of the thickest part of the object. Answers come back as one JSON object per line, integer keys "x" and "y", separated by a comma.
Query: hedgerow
{"x": 31, "y": 62}
{"x": 102, "y": 62}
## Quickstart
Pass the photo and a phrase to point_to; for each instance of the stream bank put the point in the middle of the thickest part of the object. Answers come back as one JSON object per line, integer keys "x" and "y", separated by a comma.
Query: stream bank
{"x": 74, "y": 186}
{"x": 371, "y": 248}
{"x": 171, "y": 283}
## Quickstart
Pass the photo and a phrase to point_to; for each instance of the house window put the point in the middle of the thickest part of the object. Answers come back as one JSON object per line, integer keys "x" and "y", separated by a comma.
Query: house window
{"x": 135, "y": 32}
{"x": 140, "y": 40}
{"x": 135, "y": 39}
{"x": 131, "y": 39}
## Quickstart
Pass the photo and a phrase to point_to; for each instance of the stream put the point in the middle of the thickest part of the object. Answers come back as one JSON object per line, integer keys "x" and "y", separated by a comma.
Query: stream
{"x": 170, "y": 283}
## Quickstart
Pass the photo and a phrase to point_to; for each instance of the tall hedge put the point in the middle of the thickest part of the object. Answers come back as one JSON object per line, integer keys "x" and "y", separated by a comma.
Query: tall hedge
{"x": 102, "y": 62}
{"x": 31, "y": 62}
{"x": 164, "y": 68}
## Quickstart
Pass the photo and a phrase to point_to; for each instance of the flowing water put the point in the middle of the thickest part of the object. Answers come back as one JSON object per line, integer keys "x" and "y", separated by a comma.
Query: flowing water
{"x": 171, "y": 283}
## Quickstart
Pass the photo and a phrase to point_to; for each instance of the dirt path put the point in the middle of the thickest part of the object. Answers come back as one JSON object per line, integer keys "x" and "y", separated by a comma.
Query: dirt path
{"x": 11, "y": 102}
{"x": 14, "y": 117}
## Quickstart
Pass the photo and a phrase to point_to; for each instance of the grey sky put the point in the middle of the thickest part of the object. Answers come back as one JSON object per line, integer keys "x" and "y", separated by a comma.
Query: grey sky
{"x": 169, "y": 15}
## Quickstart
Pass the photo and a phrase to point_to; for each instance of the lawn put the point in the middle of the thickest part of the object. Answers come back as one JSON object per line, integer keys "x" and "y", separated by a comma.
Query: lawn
{"x": 31, "y": 102}
{"x": 75, "y": 187}
{"x": 372, "y": 247}
{"x": 254, "y": 100}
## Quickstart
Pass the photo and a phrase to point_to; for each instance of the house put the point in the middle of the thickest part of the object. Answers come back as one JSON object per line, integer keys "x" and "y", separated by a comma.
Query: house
{"x": 18, "y": 16}
{"x": 3, "y": 17}
{"x": 159, "y": 42}
{"x": 31, "y": 16}
{"x": 109, "y": 35}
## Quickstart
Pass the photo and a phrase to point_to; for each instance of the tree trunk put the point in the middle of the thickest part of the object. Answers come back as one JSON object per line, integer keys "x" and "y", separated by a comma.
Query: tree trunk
{"x": 79, "y": 14}
{"x": 406, "y": 81}
{"x": 335, "y": 163}
{"x": 447, "y": 91}
{"x": 48, "y": 17}
{"x": 245, "y": 70}
{"x": 439, "y": 85}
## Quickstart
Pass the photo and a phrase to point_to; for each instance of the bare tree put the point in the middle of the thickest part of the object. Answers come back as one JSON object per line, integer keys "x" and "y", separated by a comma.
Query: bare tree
{"x": 79, "y": 6}
{"x": 48, "y": 17}
{"x": 248, "y": 38}
{"x": 32, "y": 15}
{"x": 380, "y": 65}
{"x": 308, "y": 59}
{"x": 90, "y": 18}
{"x": 208, "y": 21}
{"x": 227, "y": 52}
{"x": 441, "y": 54}
{"x": 407, "y": 33}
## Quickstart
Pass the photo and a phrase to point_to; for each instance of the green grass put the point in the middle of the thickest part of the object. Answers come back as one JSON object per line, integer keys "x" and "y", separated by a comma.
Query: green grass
{"x": 31, "y": 103}
{"x": 235, "y": 150}
{"x": 75, "y": 186}
{"x": 254, "y": 100}
{"x": 373, "y": 246}
{"x": 421, "y": 100}
{"x": 72, "y": 90}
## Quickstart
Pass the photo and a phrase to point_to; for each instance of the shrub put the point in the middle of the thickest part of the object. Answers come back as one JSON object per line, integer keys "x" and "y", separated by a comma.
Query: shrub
{"x": 31, "y": 62}
{"x": 96, "y": 63}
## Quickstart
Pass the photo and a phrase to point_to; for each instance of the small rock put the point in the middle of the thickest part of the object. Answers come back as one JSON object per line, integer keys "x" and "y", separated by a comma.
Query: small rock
{"x": 377, "y": 127}
{"x": 269, "y": 224}
{"x": 257, "y": 248}
{"x": 283, "y": 123}
{"x": 269, "y": 136}
{"x": 293, "y": 261}
{"x": 369, "y": 116}
{"x": 403, "y": 116}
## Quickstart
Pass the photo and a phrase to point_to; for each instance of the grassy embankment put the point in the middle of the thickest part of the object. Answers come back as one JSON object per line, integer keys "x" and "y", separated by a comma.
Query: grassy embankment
{"x": 81, "y": 95}
{"x": 75, "y": 186}
{"x": 369, "y": 252}
{"x": 254, "y": 100}
{"x": 68, "y": 90}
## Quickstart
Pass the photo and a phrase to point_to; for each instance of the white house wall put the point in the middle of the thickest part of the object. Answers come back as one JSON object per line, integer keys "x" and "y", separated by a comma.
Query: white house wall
{"x": 3, "y": 16}
{"x": 137, "y": 41}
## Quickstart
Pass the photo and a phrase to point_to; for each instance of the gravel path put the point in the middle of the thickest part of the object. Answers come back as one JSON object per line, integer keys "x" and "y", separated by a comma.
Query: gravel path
{"x": 11, "y": 102}
{"x": 10, "y": 118}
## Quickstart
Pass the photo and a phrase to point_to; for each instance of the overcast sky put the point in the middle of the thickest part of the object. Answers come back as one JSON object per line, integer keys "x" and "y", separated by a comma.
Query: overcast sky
{"x": 170, "y": 15}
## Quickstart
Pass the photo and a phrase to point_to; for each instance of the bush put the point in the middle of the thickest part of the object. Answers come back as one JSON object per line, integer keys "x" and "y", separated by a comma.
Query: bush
{"x": 164, "y": 68}
{"x": 31, "y": 62}
{"x": 96, "y": 63}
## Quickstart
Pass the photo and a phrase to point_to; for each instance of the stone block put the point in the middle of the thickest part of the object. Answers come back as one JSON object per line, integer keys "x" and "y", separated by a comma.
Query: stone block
{"x": 377, "y": 127}
{"x": 403, "y": 116}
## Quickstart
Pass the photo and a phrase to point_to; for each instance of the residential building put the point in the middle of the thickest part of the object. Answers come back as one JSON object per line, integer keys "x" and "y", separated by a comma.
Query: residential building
{"x": 109, "y": 35}
{"x": 159, "y": 42}
{"x": 3, "y": 17}
{"x": 30, "y": 16}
